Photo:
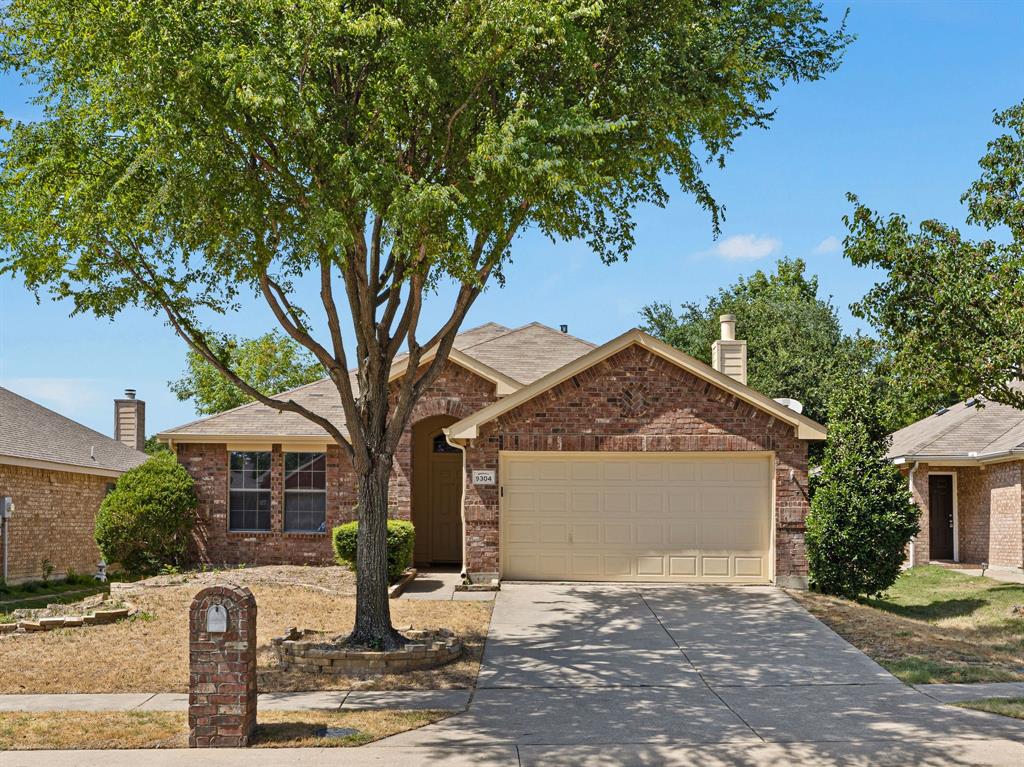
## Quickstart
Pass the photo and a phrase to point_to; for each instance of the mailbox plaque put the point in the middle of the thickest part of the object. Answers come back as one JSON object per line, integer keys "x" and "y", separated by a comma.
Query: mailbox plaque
{"x": 216, "y": 619}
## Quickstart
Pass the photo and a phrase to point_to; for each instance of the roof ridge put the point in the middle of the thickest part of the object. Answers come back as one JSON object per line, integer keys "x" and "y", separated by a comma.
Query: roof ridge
{"x": 71, "y": 421}
{"x": 521, "y": 328}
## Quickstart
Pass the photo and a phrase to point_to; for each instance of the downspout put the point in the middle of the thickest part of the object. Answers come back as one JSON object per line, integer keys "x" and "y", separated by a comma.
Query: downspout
{"x": 910, "y": 485}
{"x": 462, "y": 500}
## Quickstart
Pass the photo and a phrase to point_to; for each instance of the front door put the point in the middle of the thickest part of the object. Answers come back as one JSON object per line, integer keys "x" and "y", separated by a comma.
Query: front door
{"x": 940, "y": 516}
{"x": 436, "y": 493}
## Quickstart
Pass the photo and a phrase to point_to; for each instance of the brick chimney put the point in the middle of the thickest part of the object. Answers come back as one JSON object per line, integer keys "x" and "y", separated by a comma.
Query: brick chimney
{"x": 728, "y": 355}
{"x": 130, "y": 420}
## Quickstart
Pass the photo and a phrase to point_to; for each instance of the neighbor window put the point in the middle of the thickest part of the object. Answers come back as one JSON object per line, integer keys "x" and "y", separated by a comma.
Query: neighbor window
{"x": 305, "y": 492}
{"x": 249, "y": 501}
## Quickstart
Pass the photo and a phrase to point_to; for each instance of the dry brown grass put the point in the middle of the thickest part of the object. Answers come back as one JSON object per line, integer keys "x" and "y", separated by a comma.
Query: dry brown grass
{"x": 149, "y": 653}
{"x": 22, "y": 731}
{"x": 918, "y": 651}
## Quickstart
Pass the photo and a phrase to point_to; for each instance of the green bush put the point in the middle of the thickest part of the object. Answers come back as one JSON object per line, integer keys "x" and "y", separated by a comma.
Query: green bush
{"x": 401, "y": 541}
{"x": 144, "y": 522}
{"x": 862, "y": 516}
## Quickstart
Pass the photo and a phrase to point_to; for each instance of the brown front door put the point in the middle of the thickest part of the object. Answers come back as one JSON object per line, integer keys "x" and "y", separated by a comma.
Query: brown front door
{"x": 436, "y": 493}
{"x": 940, "y": 516}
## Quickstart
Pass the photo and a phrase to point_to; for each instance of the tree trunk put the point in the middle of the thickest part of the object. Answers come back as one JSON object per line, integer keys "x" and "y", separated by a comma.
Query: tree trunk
{"x": 373, "y": 610}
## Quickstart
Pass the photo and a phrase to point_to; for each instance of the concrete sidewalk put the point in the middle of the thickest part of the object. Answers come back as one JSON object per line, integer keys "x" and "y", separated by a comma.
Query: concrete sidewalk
{"x": 342, "y": 700}
{"x": 886, "y": 753}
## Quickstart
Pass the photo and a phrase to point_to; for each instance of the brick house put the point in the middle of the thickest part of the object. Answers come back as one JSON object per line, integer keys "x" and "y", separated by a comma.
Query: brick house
{"x": 965, "y": 464}
{"x": 57, "y": 473}
{"x": 535, "y": 455}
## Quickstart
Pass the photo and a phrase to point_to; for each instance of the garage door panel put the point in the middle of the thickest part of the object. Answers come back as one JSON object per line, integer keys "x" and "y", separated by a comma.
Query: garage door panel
{"x": 643, "y": 517}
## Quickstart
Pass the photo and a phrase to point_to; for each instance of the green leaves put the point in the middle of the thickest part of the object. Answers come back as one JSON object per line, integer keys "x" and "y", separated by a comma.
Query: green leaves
{"x": 862, "y": 516}
{"x": 950, "y": 308}
{"x": 272, "y": 363}
{"x": 795, "y": 343}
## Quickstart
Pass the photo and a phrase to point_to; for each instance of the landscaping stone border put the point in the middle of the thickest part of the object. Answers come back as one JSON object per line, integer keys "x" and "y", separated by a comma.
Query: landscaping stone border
{"x": 399, "y": 588}
{"x": 97, "y": 617}
{"x": 493, "y": 585}
{"x": 309, "y": 651}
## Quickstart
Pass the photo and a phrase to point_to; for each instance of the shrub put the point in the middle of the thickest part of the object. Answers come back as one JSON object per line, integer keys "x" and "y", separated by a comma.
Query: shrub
{"x": 144, "y": 522}
{"x": 862, "y": 516}
{"x": 401, "y": 541}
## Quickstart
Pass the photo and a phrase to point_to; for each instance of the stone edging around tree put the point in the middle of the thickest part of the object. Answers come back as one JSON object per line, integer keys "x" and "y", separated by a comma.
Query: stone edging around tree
{"x": 312, "y": 652}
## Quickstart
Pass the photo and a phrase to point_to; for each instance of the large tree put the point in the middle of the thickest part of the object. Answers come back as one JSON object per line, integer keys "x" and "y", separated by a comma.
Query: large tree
{"x": 951, "y": 308}
{"x": 271, "y": 363}
{"x": 795, "y": 342}
{"x": 192, "y": 155}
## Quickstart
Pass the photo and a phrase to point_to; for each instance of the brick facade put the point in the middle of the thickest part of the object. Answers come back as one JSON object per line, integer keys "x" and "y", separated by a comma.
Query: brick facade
{"x": 638, "y": 402}
{"x": 54, "y": 519}
{"x": 456, "y": 392}
{"x": 633, "y": 401}
{"x": 989, "y": 510}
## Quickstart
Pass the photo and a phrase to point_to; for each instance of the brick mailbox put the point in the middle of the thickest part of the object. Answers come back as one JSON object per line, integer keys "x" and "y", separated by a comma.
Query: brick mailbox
{"x": 222, "y": 667}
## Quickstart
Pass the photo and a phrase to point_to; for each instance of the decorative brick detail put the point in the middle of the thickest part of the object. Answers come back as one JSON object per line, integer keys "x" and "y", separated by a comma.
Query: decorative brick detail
{"x": 681, "y": 413}
{"x": 54, "y": 519}
{"x": 222, "y": 669}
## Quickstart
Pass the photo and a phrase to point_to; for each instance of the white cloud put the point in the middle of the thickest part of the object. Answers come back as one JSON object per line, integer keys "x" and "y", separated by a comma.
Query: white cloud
{"x": 830, "y": 244}
{"x": 67, "y": 396}
{"x": 746, "y": 247}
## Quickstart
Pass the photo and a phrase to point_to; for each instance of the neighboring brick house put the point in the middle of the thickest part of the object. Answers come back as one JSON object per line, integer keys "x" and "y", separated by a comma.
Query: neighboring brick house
{"x": 965, "y": 465}
{"x": 57, "y": 473}
{"x": 535, "y": 455}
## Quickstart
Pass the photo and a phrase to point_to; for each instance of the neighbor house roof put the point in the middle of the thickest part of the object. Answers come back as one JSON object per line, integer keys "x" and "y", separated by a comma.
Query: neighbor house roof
{"x": 32, "y": 435}
{"x": 974, "y": 431}
{"x": 468, "y": 427}
{"x": 510, "y": 358}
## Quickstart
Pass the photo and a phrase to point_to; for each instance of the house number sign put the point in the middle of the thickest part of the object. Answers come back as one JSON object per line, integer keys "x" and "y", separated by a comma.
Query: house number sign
{"x": 216, "y": 619}
{"x": 483, "y": 477}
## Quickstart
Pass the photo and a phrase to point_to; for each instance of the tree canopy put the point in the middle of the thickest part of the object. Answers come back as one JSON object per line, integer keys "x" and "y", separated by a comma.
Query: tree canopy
{"x": 192, "y": 155}
{"x": 272, "y": 363}
{"x": 795, "y": 343}
{"x": 951, "y": 308}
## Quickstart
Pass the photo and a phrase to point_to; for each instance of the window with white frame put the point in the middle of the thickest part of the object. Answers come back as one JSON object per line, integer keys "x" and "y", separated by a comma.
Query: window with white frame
{"x": 249, "y": 491}
{"x": 305, "y": 492}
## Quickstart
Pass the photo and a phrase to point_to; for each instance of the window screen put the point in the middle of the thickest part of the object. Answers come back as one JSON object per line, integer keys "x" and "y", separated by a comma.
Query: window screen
{"x": 249, "y": 496}
{"x": 305, "y": 492}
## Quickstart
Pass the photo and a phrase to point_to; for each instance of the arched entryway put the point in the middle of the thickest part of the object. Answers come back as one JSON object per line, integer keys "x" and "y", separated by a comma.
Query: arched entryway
{"x": 436, "y": 493}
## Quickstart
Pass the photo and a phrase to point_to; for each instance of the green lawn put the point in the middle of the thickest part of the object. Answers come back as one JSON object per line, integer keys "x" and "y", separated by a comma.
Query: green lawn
{"x": 1003, "y": 706}
{"x": 41, "y": 593}
{"x": 935, "y": 625}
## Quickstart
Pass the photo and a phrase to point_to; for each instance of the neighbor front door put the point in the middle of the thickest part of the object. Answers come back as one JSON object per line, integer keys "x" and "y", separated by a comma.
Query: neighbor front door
{"x": 940, "y": 512}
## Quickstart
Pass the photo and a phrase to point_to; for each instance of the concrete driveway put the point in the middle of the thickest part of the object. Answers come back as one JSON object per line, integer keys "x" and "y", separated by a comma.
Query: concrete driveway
{"x": 616, "y": 674}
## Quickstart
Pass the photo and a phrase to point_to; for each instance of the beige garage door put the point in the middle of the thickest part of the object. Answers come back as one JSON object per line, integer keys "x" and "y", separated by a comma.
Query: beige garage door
{"x": 636, "y": 517}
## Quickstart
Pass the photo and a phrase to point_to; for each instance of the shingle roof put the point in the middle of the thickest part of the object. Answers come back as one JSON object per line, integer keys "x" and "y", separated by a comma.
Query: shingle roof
{"x": 32, "y": 432}
{"x": 964, "y": 431}
{"x": 523, "y": 354}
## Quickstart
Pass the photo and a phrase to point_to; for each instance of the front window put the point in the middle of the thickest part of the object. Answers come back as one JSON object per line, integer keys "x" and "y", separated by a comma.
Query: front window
{"x": 305, "y": 492}
{"x": 249, "y": 497}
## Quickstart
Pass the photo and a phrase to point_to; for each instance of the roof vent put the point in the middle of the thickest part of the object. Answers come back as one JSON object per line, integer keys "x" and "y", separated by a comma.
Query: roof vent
{"x": 793, "y": 404}
{"x": 942, "y": 410}
{"x": 129, "y": 393}
{"x": 971, "y": 402}
{"x": 564, "y": 328}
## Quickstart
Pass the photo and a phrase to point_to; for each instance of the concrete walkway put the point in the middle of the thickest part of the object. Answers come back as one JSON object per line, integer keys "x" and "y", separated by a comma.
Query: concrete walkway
{"x": 620, "y": 675}
{"x": 343, "y": 700}
{"x": 440, "y": 584}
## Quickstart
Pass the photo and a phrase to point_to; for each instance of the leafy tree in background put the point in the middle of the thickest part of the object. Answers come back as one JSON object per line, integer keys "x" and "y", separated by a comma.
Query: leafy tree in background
{"x": 194, "y": 155}
{"x": 862, "y": 516}
{"x": 154, "y": 446}
{"x": 795, "y": 343}
{"x": 272, "y": 363}
{"x": 951, "y": 308}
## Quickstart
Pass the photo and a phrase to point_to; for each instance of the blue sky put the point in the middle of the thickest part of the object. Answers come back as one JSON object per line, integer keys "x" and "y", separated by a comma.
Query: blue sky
{"x": 902, "y": 124}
